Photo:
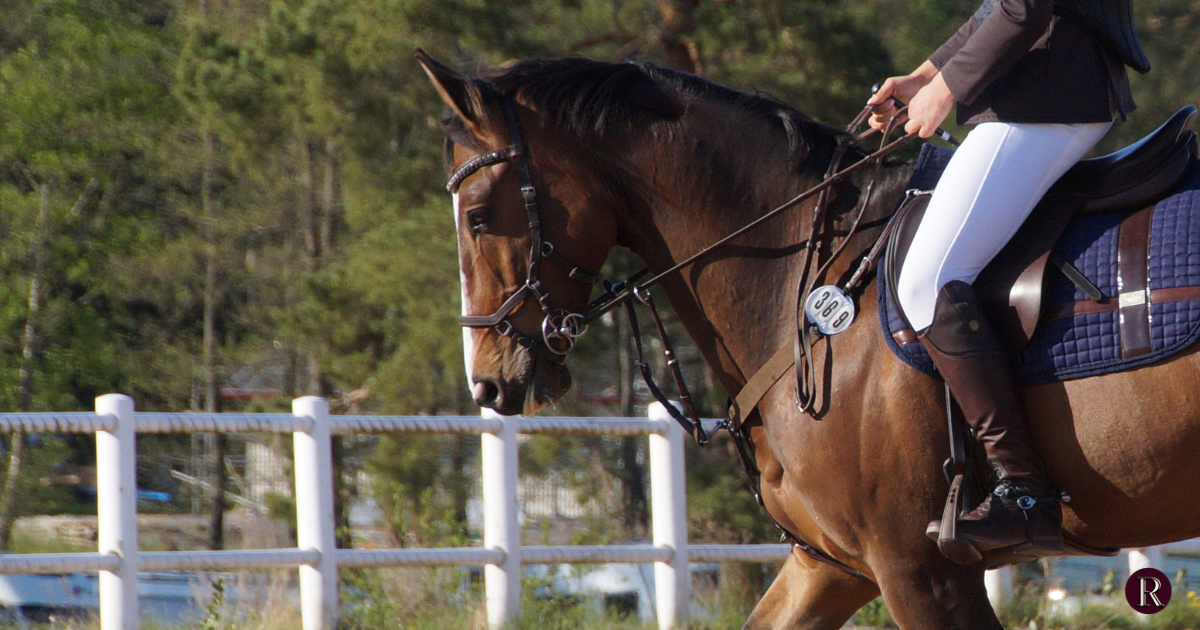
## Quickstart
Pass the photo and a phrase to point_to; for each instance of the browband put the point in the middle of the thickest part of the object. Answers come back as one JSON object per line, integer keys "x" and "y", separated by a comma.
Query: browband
{"x": 480, "y": 161}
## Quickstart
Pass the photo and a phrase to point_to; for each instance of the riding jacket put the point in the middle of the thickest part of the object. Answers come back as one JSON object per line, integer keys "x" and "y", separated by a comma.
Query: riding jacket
{"x": 1041, "y": 61}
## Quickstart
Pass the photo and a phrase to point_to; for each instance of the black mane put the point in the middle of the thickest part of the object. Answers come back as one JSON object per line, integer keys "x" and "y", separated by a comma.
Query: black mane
{"x": 594, "y": 99}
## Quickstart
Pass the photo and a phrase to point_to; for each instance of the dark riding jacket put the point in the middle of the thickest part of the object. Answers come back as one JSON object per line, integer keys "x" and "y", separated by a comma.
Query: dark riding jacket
{"x": 1031, "y": 61}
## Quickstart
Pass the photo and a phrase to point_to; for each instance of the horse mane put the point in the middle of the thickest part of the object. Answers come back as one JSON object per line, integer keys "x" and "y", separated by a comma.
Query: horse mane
{"x": 595, "y": 99}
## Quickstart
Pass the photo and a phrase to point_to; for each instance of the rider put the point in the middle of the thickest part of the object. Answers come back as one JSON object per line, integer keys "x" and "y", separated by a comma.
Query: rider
{"x": 1043, "y": 81}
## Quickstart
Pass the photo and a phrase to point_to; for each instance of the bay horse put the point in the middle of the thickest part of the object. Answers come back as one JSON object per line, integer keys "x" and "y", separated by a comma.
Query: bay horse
{"x": 664, "y": 164}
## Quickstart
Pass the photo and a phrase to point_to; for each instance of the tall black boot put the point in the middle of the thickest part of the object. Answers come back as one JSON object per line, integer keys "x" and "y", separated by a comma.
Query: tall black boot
{"x": 1024, "y": 507}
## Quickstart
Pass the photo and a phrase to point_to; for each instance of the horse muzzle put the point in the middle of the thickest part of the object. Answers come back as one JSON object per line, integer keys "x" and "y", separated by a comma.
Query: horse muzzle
{"x": 529, "y": 384}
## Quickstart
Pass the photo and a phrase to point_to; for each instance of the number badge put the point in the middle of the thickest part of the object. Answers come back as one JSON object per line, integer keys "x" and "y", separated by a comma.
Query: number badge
{"x": 830, "y": 309}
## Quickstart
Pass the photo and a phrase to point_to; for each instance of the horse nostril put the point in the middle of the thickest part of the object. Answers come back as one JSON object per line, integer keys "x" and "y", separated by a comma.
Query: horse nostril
{"x": 486, "y": 393}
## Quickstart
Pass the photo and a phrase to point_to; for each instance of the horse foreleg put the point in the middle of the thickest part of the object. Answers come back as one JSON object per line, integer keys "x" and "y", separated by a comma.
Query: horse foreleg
{"x": 810, "y": 595}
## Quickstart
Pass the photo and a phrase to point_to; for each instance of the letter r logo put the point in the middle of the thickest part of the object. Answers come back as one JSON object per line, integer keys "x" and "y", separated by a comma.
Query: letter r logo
{"x": 1149, "y": 588}
{"x": 1148, "y": 591}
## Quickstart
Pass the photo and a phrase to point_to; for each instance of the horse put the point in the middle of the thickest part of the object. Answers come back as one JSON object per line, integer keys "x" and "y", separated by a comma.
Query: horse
{"x": 663, "y": 164}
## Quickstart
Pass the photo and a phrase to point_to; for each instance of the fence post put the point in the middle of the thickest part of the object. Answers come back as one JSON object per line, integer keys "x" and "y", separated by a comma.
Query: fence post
{"x": 116, "y": 512}
{"x": 1145, "y": 557}
{"x": 668, "y": 506}
{"x": 314, "y": 514}
{"x": 502, "y": 582}
{"x": 999, "y": 586}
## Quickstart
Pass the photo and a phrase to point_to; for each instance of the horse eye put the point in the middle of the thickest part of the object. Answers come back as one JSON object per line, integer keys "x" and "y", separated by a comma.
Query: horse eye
{"x": 478, "y": 218}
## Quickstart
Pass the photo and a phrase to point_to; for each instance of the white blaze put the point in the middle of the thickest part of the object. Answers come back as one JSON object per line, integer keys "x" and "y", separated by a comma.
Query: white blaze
{"x": 467, "y": 333}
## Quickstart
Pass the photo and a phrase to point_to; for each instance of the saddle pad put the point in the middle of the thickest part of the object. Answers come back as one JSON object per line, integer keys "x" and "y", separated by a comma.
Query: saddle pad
{"x": 1077, "y": 337}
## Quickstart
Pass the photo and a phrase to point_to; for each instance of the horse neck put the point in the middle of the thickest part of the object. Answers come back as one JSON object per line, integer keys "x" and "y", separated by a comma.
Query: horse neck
{"x": 687, "y": 192}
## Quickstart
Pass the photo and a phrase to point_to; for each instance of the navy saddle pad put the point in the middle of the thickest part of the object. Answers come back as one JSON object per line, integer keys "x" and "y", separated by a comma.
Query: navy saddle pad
{"x": 1077, "y": 337}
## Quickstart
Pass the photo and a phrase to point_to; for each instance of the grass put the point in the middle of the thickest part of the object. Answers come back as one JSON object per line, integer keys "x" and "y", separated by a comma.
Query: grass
{"x": 452, "y": 599}
{"x": 419, "y": 599}
{"x": 26, "y": 542}
{"x": 1029, "y": 608}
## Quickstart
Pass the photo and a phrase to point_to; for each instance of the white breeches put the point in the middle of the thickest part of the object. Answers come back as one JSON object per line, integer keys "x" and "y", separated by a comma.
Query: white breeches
{"x": 990, "y": 186}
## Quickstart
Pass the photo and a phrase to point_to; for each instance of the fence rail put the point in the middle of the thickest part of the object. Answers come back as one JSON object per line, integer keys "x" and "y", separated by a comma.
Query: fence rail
{"x": 116, "y": 424}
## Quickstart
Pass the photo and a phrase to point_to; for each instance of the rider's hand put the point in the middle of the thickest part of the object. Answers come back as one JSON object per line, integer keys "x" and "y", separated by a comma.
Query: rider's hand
{"x": 929, "y": 107}
{"x": 902, "y": 89}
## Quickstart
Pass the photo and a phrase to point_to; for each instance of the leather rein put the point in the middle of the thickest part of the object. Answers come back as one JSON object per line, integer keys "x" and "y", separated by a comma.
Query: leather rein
{"x": 561, "y": 329}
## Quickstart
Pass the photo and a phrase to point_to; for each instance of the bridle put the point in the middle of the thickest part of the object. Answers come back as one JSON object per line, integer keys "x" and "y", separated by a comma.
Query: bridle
{"x": 561, "y": 329}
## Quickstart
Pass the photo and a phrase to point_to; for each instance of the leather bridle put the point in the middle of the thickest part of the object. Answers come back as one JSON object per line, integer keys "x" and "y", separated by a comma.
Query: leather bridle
{"x": 561, "y": 329}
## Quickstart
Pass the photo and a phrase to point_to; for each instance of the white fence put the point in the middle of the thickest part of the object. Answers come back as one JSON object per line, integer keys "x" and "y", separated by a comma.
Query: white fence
{"x": 118, "y": 560}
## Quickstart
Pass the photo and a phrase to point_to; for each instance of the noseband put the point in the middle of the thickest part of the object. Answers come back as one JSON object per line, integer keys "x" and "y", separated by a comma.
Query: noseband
{"x": 561, "y": 329}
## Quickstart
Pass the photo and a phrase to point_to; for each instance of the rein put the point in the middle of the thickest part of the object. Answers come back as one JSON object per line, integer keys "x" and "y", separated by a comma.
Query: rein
{"x": 561, "y": 329}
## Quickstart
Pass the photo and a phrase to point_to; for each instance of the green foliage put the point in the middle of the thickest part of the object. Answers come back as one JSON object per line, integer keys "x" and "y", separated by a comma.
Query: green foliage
{"x": 721, "y": 506}
{"x": 316, "y": 142}
{"x": 874, "y": 615}
{"x": 38, "y": 487}
{"x": 212, "y": 618}
{"x": 280, "y": 506}
{"x": 421, "y": 486}
{"x": 1030, "y": 607}
{"x": 365, "y": 602}
{"x": 821, "y": 59}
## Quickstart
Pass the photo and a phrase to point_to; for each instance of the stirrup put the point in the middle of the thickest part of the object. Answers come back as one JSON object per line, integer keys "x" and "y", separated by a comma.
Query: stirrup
{"x": 953, "y": 546}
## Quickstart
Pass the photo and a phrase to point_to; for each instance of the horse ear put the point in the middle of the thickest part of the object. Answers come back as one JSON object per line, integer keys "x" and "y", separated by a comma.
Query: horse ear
{"x": 460, "y": 94}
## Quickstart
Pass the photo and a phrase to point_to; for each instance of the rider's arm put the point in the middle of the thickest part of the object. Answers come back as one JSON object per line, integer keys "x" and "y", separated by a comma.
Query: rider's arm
{"x": 990, "y": 43}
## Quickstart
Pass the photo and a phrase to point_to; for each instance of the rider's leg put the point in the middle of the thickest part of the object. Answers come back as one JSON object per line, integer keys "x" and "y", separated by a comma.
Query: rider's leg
{"x": 988, "y": 189}
{"x": 990, "y": 186}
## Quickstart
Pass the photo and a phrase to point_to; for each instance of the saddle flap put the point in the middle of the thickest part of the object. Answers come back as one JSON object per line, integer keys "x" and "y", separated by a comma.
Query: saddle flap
{"x": 908, "y": 218}
{"x": 1010, "y": 287}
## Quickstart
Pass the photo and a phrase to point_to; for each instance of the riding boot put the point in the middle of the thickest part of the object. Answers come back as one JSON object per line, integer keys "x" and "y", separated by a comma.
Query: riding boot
{"x": 1024, "y": 507}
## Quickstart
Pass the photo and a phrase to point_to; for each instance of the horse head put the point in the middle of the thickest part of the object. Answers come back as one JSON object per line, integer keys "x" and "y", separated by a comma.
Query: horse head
{"x": 535, "y": 224}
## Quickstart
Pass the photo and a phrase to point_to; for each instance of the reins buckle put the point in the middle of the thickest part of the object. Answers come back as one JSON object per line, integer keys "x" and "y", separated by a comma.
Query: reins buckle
{"x": 640, "y": 293}
{"x": 561, "y": 330}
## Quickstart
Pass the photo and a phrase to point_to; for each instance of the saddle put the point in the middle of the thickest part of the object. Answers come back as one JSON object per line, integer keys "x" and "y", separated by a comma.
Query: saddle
{"x": 1132, "y": 179}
